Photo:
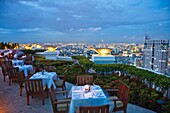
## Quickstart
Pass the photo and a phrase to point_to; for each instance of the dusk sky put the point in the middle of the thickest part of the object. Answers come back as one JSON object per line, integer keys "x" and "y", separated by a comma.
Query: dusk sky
{"x": 127, "y": 21}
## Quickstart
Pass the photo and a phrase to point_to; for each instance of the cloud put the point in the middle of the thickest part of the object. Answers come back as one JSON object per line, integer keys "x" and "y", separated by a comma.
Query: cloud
{"x": 28, "y": 30}
{"x": 84, "y": 18}
{"x": 160, "y": 24}
{"x": 2, "y": 30}
{"x": 94, "y": 28}
{"x": 71, "y": 29}
{"x": 37, "y": 5}
{"x": 58, "y": 19}
{"x": 82, "y": 29}
{"x": 91, "y": 29}
{"x": 30, "y": 3}
{"x": 5, "y": 31}
{"x": 136, "y": 3}
{"x": 78, "y": 16}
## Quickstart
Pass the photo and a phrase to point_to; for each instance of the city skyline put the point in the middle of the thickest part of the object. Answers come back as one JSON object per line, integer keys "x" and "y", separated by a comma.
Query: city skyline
{"x": 123, "y": 21}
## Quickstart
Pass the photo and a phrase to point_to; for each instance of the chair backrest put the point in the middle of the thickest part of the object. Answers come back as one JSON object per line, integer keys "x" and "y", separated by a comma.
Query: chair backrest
{"x": 37, "y": 68}
{"x": 34, "y": 86}
{"x": 55, "y": 96}
{"x": 50, "y": 68}
{"x": 28, "y": 57}
{"x": 21, "y": 75}
{"x": 123, "y": 91}
{"x": 94, "y": 109}
{"x": 58, "y": 101}
{"x": 10, "y": 56}
{"x": 8, "y": 64}
{"x": 2, "y": 59}
{"x": 28, "y": 62}
{"x": 21, "y": 78}
{"x": 84, "y": 79}
{"x": 4, "y": 68}
{"x": 13, "y": 72}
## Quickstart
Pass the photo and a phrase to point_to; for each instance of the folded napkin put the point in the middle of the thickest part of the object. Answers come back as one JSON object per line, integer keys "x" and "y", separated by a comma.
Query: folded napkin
{"x": 77, "y": 95}
{"x": 99, "y": 94}
{"x": 88, "y": 95}
{"x": 77, "y": 88}
{"x": 96, "y": 87}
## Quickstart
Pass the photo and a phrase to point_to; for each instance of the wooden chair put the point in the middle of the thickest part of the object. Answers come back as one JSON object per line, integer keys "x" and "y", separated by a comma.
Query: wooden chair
{"x": 5, "y": 65}
{"x": 10, "y": 57}
{"x": 121, "y": 100}
{"x": 28, "y": 57}
{"x": 60, "y": 83}
{"x": 37, "y": 69}
{"x": 34, "y": 87}
{"x": 4, "y": 70}
{"x": 60, "y": 105}
{"x": 32, "y": 72}
{"x": 21, "y": 81}
{"x": 28, "y": 62}
{"x": 13, "y": 73}
{"x": 50, "y": 68}
{"x": 8, "y": 64}
{"x": 2, "y": 59}
{"x": 93, "y": 109}
{"x": 84, "y": 79}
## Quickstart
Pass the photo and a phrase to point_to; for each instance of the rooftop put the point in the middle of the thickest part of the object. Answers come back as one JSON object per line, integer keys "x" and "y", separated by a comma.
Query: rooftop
{"x": 11, "y": 102}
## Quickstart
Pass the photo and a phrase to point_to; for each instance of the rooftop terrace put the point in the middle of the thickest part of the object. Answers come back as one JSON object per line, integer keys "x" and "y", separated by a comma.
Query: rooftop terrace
{"x": 11, "y": 102}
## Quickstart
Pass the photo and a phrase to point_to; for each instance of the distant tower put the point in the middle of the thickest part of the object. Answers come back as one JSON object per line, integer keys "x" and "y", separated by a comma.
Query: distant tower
{"x": 102, "y": 44}
{"x": 146, "y": 37}
{"x": 156, "y": 54}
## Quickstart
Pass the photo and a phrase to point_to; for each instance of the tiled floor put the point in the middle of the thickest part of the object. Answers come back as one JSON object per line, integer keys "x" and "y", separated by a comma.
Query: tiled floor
{"x": 11, "y": 102}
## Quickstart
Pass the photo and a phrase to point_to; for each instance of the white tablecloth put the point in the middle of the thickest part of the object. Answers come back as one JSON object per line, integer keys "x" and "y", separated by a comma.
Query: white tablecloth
{"x": 47, "y": 78}
{"x": 17, "y": 62}
{"x": 95, "y": 97}
{"x": 25, "y": 68}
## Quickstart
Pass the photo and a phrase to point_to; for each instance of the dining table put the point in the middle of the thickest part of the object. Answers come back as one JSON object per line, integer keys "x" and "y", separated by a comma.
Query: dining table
{"x": 94, "y": 97}
{"x": 25, "y": 68}
{"x": 47, "y": 78}
{"x": 17, "y": 62}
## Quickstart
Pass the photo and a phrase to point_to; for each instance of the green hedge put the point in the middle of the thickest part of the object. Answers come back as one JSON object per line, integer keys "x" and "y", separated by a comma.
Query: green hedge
{"x": 140, "y": 93}
{"x": 150, "y": 77}
{"x": 79, "y": 57}
{"x": 72, "y": 71}
{"x": 32, "y": 51}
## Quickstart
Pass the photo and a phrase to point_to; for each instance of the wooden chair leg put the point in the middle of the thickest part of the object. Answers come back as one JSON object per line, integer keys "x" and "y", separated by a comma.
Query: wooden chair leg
{"x": 27, "y": 99}
{"x": 124, "y": 110}
{"x": 63, "y": 90}
{"x": 52, "y": 88}
{"x": 42, "y": 99}
{"x": 47, "y": 92}
{"x": 9, "y": 82}
{"x": 20, "y": 90}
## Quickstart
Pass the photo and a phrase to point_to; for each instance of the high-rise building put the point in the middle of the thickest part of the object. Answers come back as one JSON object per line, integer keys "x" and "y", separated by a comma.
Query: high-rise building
{"x": 156, "y": 54}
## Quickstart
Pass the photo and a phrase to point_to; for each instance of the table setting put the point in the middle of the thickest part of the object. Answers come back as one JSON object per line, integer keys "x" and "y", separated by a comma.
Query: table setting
{"x": 17, "y": 62}
{"x": 47, "y": 78}
{"x": 88, "y": 95}
{"x": 25, "y": 68}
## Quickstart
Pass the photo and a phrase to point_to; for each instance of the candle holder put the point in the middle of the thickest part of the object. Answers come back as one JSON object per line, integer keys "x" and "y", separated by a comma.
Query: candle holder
{"x": 43, "y": 71}
{"x": 87, "y": 88}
